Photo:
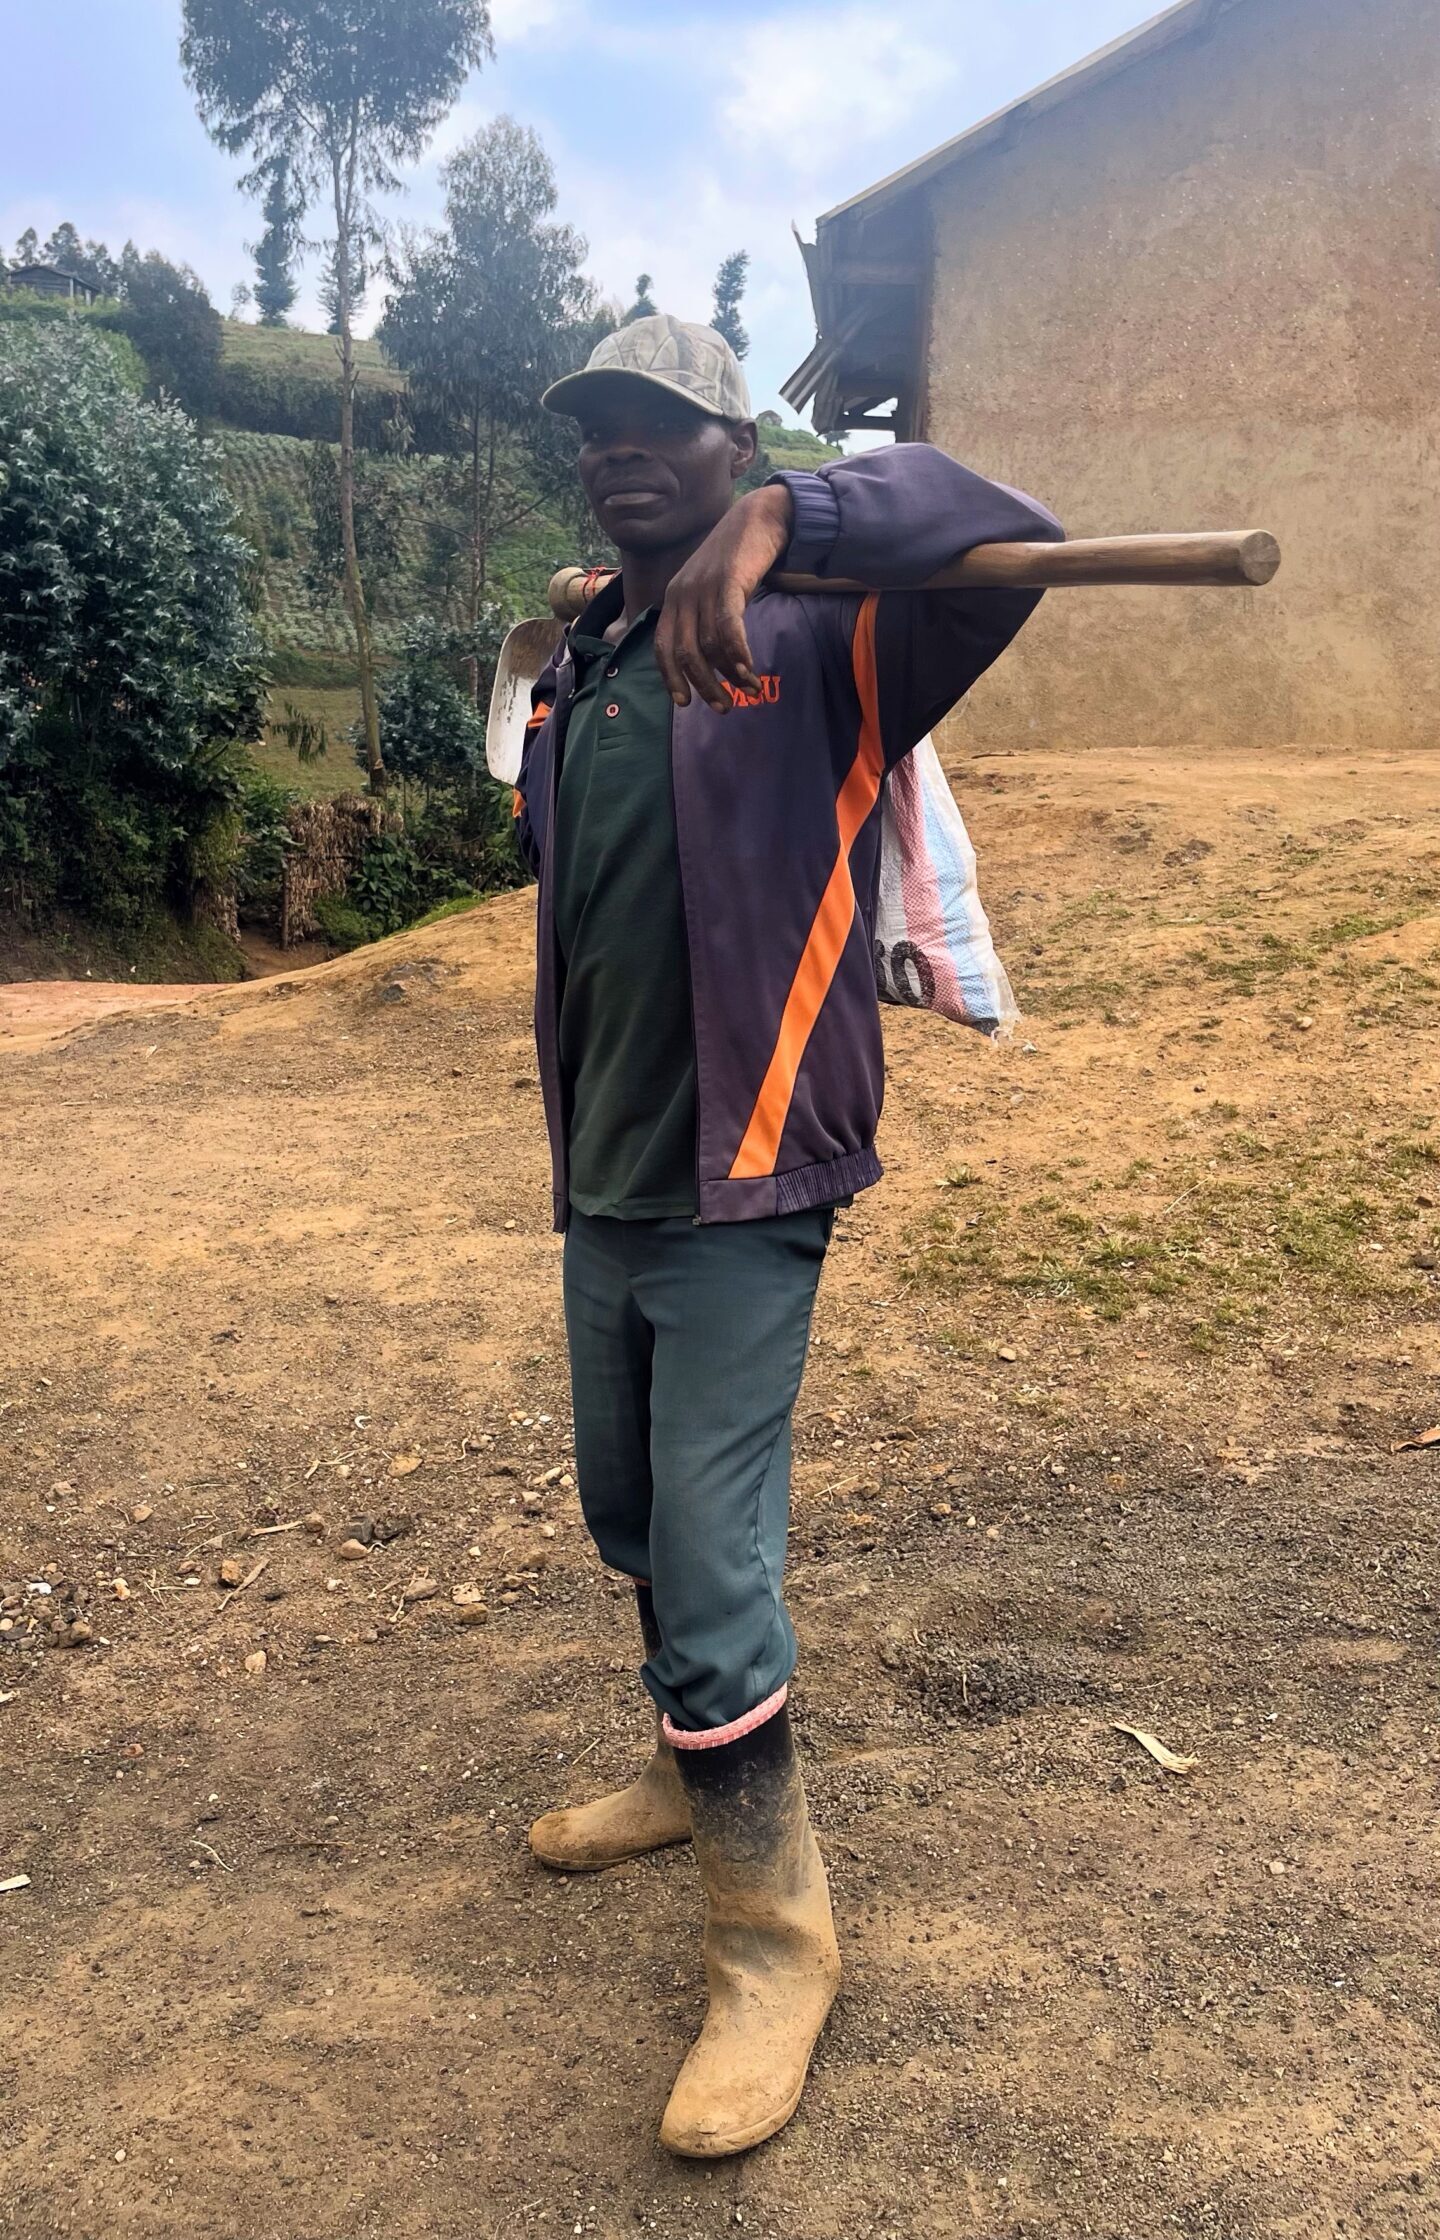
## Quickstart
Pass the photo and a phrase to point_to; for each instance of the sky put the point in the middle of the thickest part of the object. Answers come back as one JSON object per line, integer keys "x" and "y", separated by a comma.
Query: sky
{"x": 679, "y": 131}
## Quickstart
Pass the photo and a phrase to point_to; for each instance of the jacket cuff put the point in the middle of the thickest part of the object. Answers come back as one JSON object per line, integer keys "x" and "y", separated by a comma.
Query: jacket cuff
{"x": 817, "y": 521}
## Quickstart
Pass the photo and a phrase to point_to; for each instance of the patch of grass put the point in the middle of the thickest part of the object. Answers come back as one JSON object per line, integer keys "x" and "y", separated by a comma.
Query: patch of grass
{"x": 1412, "y": 1157}
{"x": 456, "y": 907}
{"x": 1236, "y": 1246}
{"x": 289, "y": 350}
{"x": 334, "y": 771}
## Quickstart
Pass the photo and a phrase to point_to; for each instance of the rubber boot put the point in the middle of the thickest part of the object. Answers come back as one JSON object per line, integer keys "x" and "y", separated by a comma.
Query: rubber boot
{"x": 771, "y": 1962}
{"x": 652, "y": 1812}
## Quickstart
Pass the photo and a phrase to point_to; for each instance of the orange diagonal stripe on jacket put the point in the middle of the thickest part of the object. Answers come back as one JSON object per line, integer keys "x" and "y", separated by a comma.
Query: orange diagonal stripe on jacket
{"x": 760, "y": 1147}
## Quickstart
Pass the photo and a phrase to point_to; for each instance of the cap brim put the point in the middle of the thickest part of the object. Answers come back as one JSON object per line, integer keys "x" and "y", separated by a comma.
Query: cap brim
{"x": 570, "y": 394}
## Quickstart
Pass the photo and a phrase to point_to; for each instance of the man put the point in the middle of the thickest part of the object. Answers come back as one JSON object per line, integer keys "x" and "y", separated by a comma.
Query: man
{"x": 700, "y": 798}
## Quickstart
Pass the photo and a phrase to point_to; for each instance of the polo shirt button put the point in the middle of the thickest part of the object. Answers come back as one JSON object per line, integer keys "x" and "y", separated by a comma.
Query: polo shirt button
{"x": 613, "y": 709}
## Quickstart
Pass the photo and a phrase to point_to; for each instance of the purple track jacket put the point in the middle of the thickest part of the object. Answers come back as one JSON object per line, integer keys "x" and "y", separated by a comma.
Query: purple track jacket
{"x": 777, "y": 821}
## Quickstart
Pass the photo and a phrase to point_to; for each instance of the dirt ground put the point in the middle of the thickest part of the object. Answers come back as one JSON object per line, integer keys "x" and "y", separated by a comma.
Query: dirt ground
{"x": 1100, "y": 1426}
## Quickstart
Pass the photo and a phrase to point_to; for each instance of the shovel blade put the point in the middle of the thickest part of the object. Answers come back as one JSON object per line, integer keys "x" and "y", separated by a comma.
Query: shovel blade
{"x": 525, "y": 653}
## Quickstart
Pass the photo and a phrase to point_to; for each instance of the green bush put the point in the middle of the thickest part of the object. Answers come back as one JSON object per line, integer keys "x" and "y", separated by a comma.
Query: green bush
{"x": 265, "y": 838}
{"x": 342, "y": 923}
{"x": 129, "y": 667}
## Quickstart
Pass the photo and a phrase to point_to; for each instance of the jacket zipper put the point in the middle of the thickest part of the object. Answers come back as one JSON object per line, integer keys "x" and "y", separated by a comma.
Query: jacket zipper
{"x": 689, "y": 964}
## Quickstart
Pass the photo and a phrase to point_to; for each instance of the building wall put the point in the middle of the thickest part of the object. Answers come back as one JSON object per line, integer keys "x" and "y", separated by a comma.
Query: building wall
{"x": 1205, "y": 295}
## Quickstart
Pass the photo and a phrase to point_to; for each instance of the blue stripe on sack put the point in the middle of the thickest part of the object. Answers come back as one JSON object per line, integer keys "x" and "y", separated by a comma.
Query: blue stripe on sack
{"x": 956, "y": 881}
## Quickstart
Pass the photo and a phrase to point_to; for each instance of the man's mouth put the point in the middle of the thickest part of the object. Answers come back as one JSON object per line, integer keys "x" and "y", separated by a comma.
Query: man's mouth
{"x": 630, "y": 493}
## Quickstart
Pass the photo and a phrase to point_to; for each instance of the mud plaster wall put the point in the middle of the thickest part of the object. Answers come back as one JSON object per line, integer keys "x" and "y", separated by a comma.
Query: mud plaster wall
{"x": 1206, "y": 295}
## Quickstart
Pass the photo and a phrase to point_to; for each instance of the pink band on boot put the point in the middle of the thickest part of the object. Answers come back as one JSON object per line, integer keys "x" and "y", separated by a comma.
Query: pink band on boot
{"x": 710, "y": 1738}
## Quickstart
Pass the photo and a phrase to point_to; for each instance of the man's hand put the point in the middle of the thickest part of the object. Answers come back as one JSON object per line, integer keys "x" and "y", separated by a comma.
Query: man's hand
{"x": 700, "y": 637}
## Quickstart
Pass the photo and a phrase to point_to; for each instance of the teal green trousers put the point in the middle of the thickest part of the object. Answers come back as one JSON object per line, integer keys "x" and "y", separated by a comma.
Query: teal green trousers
{"x": 687, "y": 1346}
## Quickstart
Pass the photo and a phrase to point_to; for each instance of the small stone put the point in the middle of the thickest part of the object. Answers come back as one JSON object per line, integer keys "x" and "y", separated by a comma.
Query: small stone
{"x": 141, "y": 1513}
{"x": 62, "y": 1489}
{"x": 353, "y": 1551}
{"x": 120, "y": 1588}
{"x": 510, "y": 1598}
{"x": 467, "y": 1591}
{"x": 471, "y": 1614}
{"x": 315, "y": 1525}
{"x": 422, "y": 1588}
{"x": 1429, "y": 1261}
{"x": 1277, "y": 1866}
{"x": 941, "y": 1509}
{"x": 1008, "y": 1353}
{"x": 256, "y": 1661}
{"x": 75, "y": 1634}
{"x": 230, "y": 1573}
{"x": 548, "y": 1531}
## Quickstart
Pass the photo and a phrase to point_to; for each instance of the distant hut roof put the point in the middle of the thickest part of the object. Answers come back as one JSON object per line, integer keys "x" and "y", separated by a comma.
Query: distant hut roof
{"x": 26, "y": 275}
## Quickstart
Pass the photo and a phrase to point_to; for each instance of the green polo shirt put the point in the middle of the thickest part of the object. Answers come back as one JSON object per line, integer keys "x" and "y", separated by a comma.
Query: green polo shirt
{"x": 627, "y": 1051}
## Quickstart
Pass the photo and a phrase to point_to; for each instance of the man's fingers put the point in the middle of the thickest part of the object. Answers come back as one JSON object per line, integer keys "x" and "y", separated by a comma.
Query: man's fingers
{"x": 731, "y": 650}
{"x": 692, "y": 661}
{"x": 669, "y": 667}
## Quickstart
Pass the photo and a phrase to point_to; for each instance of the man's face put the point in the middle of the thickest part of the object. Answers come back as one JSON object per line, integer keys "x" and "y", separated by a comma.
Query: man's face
{"x": 657, "y": 471}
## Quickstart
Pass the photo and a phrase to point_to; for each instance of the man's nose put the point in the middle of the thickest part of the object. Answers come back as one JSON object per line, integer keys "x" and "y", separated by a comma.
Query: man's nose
{"x": 627, "y": 447}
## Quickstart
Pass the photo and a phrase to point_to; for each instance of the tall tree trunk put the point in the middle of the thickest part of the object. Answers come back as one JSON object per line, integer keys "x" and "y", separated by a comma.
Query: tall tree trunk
{"x": 489, "y": 516}
{"x": 472, "y": 660}
{"x": 354, "y": 583}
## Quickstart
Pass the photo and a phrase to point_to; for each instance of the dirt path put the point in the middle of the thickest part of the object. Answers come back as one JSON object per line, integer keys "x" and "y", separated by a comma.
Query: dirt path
{"x": 33, "y": 1011}
{"x": 1099, "y": 1428}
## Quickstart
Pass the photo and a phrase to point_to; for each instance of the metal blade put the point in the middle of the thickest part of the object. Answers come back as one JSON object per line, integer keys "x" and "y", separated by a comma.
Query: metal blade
{"x": 525, "y": 653}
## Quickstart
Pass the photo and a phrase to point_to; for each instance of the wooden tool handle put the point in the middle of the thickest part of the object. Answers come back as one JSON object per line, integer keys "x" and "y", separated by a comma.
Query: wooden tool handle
{"x": 1218, "y": 558}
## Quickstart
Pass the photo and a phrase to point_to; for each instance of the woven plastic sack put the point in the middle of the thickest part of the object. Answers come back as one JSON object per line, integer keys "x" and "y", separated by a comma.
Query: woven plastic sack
{"x": 932, "y": 938}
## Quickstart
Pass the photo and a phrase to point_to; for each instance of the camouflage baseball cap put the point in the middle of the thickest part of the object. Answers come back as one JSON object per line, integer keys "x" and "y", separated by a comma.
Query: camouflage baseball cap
{"x": 689, "y": 361}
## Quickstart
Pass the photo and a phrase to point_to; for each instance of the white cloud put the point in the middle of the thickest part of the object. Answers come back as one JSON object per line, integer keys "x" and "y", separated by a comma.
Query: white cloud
{"x": 810, "y": 86}
{"x": 515, "y": 20}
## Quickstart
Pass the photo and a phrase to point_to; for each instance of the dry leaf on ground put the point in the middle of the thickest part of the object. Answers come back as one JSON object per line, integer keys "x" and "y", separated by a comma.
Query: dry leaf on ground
{"x": 1169, "y": 1759}
{"x": 1430, "y": 1438}
{"x": 401, "y": 1465}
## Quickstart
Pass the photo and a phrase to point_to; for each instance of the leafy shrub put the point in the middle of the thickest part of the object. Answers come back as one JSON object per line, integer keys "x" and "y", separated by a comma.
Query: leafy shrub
{"x": 265, "y": 838}
{"x": 129, "y": 667}
{"x": 432, "y": 730}
{"x": 341, "y": 922}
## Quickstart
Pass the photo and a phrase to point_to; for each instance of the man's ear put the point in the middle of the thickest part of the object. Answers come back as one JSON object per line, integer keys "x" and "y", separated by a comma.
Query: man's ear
{"x": 744, "y": 447}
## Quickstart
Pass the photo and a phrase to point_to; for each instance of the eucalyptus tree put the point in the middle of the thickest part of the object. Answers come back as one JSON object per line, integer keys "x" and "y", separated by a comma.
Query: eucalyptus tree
{"x": 342, "y": 92}
{"x": 275, "y": 251}
{"x": 729, "y": 289}
{"x": 482, "y": 314}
